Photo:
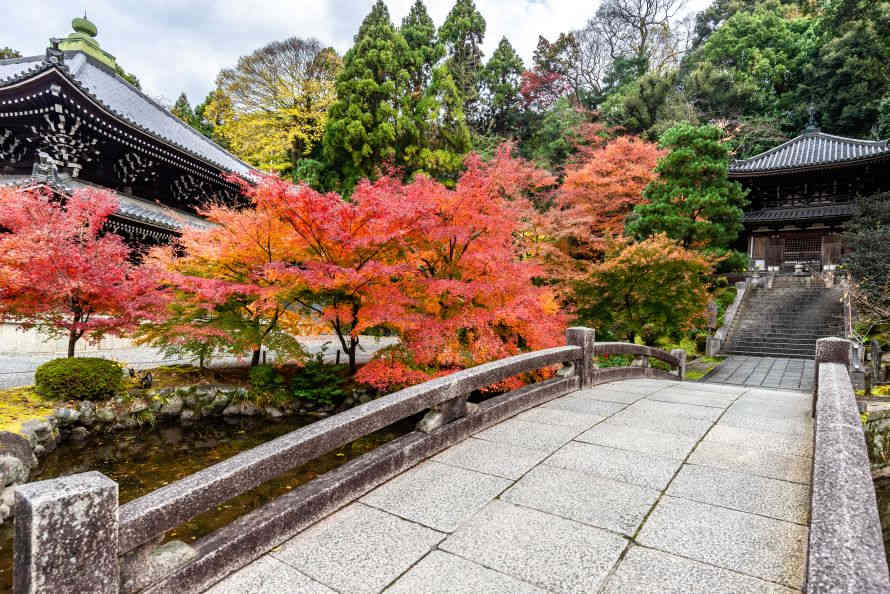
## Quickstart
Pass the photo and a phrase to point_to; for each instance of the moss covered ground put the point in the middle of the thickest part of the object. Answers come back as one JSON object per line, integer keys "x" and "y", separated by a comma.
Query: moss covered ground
{"x": 18, "y": 405}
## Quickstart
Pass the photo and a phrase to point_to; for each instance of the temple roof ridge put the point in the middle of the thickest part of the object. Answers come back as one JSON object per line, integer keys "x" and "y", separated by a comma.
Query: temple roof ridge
{"x": 128, "y": 103}
{"x": 813, "y": 148}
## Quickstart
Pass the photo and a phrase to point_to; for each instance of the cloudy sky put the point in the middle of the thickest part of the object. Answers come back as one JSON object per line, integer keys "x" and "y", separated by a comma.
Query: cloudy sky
{"x": 175, "y": 46}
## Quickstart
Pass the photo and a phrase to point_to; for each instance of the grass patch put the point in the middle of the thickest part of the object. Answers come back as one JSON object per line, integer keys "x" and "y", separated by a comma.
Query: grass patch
{"x": 882, "y": 390}
{"x": 702, "y": 366}
{"x": 18, "y": 405}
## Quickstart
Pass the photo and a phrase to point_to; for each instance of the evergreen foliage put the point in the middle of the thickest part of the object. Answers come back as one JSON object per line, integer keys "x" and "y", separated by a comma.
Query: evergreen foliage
{"x": 81, "y": 378}
{"x": 500, "y": 81}
{"x": 380, "y": 120}
{"x": 691, "y": 201}
{"x": 462, "y": 33}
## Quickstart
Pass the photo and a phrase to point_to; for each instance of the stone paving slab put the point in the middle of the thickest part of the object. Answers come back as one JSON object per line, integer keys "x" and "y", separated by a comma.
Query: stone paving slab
{"x": 765, "y": 548}
{"x": 800, "y": 427}
{"x": 656, "y": 443}
{"x": 779, "y": 443}
{"x": 444, "y": 573}
{"x": 600, "y": 502}
{"x": 645, "y": 571}
{"x": 743, "y": 492}
{"x": 710, "y": 399}
{"x": 268, "y": 574}
{"x": 773, "y": 372}
{"x": 535, "y": 436}
{"x": 436, "y": 495}
{"x": 499, "y": 459}
{"x": 551, "y": 552}
{"x": 358, "y": 549}
{"x": 610, "y": 393}
{"x": 656, "y": 409}
{"x": 560, "y": 417}
{"x": 757, "y": 462}
{"x": 635, "y": 468}
{"x": 586, "y": 405}
{"x": 666, "y": 423}
{"x": 549, "y": 501}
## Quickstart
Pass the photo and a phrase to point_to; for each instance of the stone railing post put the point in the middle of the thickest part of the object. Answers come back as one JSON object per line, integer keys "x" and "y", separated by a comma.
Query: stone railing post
{"x": 66, "y": 536}
{"x": 830, "y": 350}
{"x": 680, "y": 354}
{"x": 584, "y": 338}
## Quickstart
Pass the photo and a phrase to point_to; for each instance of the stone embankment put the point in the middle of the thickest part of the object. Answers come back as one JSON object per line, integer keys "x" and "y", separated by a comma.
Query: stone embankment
{"x": 20, "y": 451}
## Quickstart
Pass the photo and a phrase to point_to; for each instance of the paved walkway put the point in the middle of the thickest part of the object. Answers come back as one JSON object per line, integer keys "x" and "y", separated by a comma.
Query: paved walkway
{"x": 765, "y": 372}
{"x": 637, "y": 486}
{"x": 17, "y": 369}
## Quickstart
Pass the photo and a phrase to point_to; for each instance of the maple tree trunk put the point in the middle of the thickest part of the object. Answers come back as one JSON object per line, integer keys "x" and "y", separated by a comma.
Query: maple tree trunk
{"x": 353, "y": 347}
{"x": 255, "y": 359}
{"x": 72, "y": 340}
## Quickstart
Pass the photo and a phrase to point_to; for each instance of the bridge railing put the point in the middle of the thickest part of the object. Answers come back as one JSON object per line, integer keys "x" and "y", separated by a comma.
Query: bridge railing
{"x": 846, "y": 549}
{"x": 71, "y": 535}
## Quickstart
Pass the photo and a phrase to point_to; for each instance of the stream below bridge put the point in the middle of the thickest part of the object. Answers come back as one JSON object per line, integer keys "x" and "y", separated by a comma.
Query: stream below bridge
{"x": 149, "y": 458}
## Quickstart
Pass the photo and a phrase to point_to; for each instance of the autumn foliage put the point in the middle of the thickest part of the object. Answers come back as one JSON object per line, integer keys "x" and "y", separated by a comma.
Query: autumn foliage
{"x": 61, "y": 274}
{"x": 646, "y": 289}
{"x": 600, "y": 189}
{"x": 470, "y": 296}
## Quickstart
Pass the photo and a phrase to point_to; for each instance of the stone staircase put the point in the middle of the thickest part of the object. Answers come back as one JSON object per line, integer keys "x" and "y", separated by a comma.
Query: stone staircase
{"x": 786, "y": 320}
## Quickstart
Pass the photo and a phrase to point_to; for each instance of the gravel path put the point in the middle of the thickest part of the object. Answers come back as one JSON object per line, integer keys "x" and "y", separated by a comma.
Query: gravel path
{"x": 17, "y": 369}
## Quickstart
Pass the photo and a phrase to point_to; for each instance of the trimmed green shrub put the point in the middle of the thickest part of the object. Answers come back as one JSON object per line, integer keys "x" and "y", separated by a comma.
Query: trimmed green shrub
{"x": 266, "y": 378}
{"x": 320, "y": 383}
{"x": 79, "y": 378}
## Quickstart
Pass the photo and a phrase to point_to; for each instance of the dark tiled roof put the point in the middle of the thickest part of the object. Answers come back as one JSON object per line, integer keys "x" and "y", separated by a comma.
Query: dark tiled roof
{"x": 811, "y": 149}
{"x": 130, "y": 105}
{"x": 802, "y": 213}
{"x": 135, "y": 209}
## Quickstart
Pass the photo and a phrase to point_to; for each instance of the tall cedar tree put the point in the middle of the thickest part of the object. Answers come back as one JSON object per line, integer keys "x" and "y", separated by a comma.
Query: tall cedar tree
{"x": 500, "y": 81}
{"x": 646, "y": 290}
{"x": 61, "y": 274}
{"x": 379, "y": 121}
{"x": 692, "y": 200}
{"x": 462, "y": 33}
{"x": 183, "y": 110}
{"x": 419, "y": 32}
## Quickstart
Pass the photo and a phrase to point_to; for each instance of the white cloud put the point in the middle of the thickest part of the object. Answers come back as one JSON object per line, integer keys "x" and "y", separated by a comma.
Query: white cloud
{"x": 174, "y": 46}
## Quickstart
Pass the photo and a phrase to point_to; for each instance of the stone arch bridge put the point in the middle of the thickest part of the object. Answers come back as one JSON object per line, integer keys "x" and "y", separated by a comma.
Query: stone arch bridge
{"x": 597, "y": 480}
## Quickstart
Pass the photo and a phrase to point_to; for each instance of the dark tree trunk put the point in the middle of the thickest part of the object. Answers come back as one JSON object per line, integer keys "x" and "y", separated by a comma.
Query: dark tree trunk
{"x": 255, "y": 359}
{"x": 353, "y": 348}
{"x": 72, "y": 340}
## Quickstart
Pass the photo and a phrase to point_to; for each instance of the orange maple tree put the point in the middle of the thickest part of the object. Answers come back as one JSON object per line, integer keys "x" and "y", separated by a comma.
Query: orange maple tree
{"x": 598, "y": 193}
{"x": 62, "y": 274}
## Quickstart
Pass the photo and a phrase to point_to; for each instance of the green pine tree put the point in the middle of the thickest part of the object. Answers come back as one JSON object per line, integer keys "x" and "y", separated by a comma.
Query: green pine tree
{"x": 425, "y": 49}
{"x": 500, "y": 81}
{"x": 394, "y": 107}
{"x": 183, "y": 110}
{"x": 462, "y": 33}
{"x": 692, "y": 200}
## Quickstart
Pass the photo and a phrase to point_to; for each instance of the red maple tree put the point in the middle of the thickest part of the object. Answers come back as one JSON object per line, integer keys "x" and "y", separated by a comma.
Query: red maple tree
{"x": 599, "y": 191}
{"x": 61, "y": 274}
{"x": 470, "y": 295}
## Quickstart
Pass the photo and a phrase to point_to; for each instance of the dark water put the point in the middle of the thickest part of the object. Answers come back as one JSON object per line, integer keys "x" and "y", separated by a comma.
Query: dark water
{"x": 144, "y": 460}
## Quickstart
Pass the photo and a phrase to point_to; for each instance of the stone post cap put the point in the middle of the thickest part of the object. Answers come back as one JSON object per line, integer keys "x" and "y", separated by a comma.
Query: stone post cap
{"x": 833, "y": 350}
{"x": 48, "y": 491}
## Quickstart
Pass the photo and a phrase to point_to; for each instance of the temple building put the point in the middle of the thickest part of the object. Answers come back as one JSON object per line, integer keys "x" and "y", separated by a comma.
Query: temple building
{"x": 68, "y": 119}
{"x": 801, "y": 194}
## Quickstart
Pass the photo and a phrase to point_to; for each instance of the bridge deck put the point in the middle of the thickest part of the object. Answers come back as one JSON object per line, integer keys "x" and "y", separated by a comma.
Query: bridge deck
{"x": 634, "y": 486}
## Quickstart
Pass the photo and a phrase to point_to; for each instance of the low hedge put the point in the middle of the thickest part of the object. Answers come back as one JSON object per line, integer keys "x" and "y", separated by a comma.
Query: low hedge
{"x": 79, "y": 378}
